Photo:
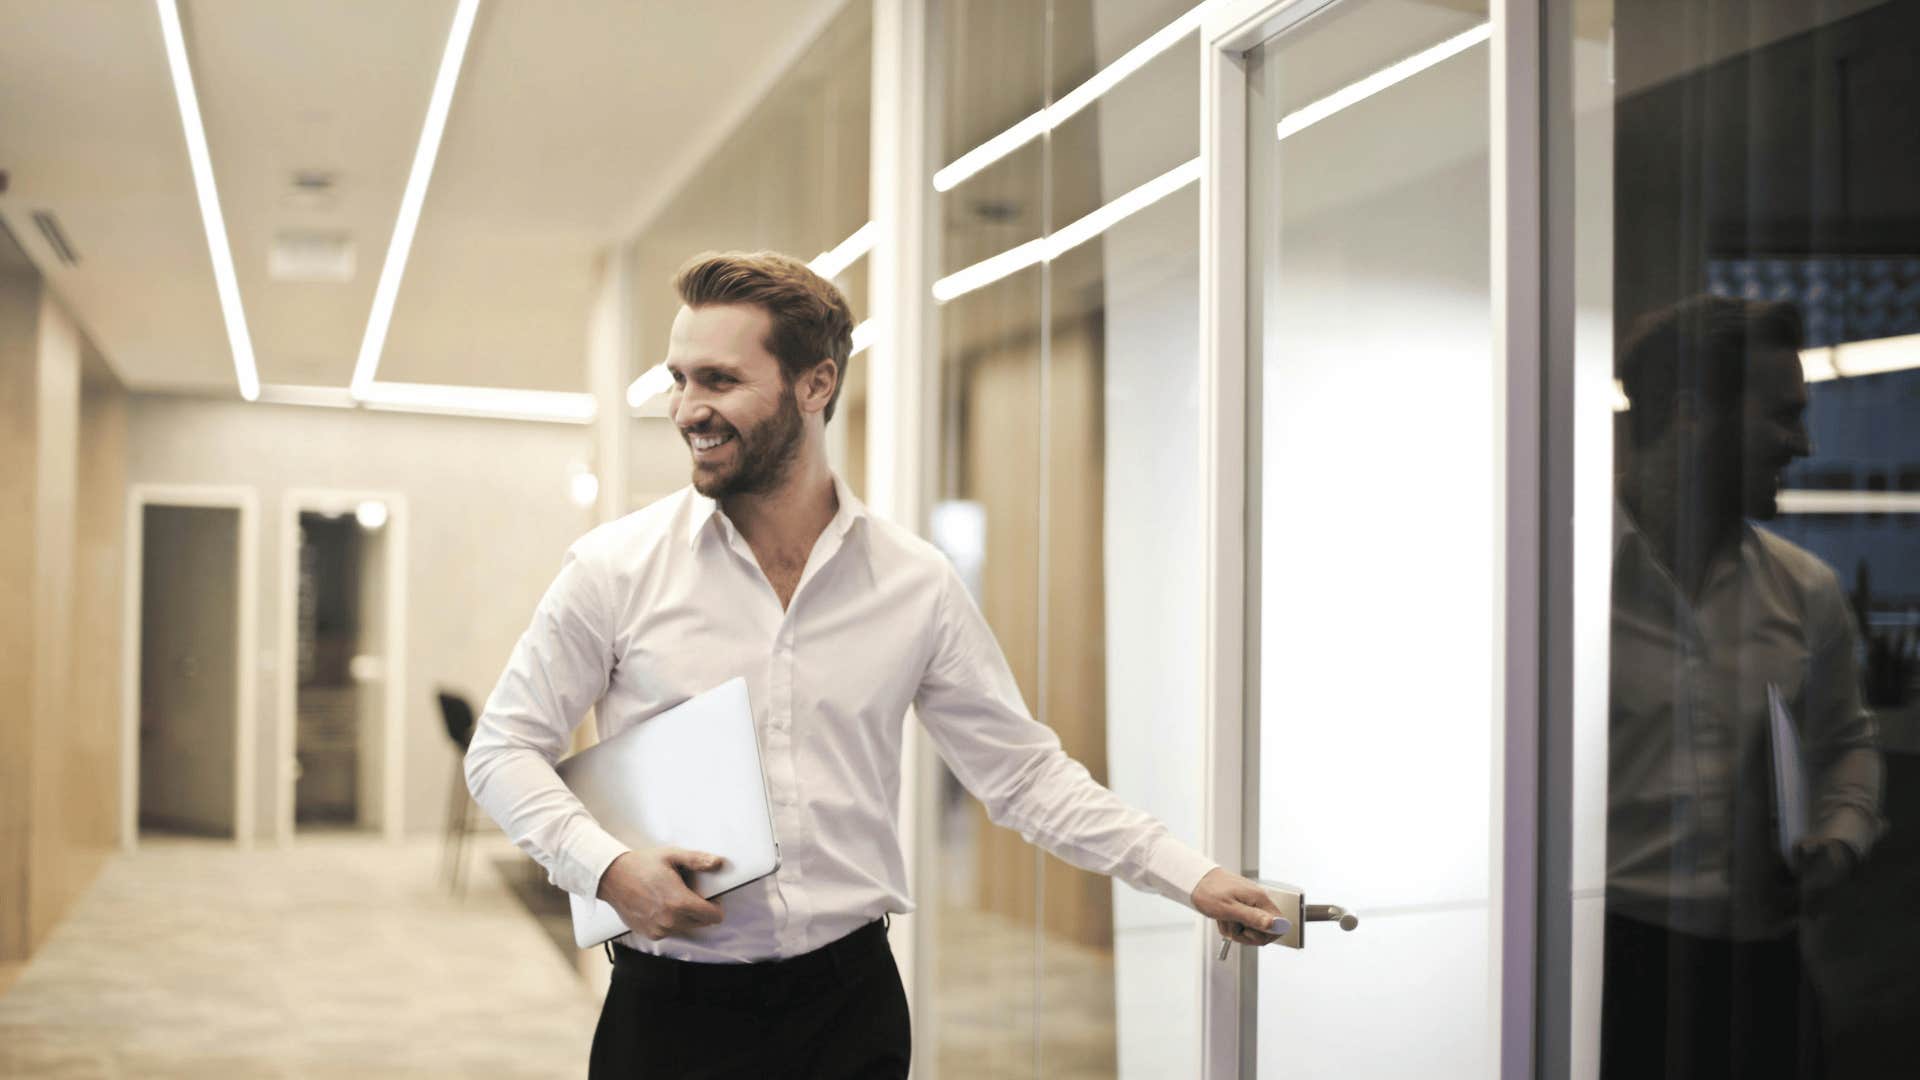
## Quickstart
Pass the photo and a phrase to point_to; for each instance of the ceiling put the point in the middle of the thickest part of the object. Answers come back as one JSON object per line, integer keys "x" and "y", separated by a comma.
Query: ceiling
{"x": 571, "y": 120}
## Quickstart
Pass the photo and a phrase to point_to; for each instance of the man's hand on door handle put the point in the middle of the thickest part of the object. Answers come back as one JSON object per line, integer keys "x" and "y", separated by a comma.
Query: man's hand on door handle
{"x": 1240, "y": 908}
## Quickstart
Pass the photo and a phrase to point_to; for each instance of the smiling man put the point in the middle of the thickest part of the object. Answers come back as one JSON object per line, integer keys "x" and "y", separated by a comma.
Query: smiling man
{"x": 768, "y": 568}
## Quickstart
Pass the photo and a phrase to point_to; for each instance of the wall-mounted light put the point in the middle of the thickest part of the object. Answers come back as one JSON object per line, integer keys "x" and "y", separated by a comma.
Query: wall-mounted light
{"x": 583, "y": 487}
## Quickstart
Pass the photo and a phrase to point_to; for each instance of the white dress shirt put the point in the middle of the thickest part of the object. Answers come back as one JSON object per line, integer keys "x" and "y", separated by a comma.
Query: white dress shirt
{"x": 669, "y": 602}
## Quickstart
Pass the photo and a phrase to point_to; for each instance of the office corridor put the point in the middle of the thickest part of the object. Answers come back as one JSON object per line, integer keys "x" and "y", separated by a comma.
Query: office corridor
{"x": 340, "y": 956}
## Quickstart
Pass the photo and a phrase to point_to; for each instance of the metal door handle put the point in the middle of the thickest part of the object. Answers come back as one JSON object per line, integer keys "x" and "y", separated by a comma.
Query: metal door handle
{"x": 1332, "y": 913}
{"x": 1292, "y": 902}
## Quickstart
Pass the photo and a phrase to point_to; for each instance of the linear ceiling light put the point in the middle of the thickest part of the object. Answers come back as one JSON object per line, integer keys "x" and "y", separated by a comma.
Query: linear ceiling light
{"x": 224, "y": 280}
{"x": 1354, "y": 93}
{"x": 331, "y": 397}
{"x": 415, "y": 196}
{"x": 652, "y": 382}
{"x": 1849, "y": 502}
{"x": 831, "y": 264}
{"x": 554, "y": 405}
{"x": 1847, "y": 360}
{"x": 1048, "y": 248}
{"x": 1072, "y": 101}
{"x": 1850, "y": 359}
{"x": 863, "y": 336}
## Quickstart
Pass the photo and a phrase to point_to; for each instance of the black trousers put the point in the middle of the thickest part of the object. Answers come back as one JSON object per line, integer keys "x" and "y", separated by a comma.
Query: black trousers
{"x": 1692, "y": 1008}
{"x": 839, "y": 1011}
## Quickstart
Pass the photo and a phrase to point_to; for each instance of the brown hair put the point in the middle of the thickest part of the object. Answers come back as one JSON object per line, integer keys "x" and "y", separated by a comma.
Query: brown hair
{"x": 811, "y": 319}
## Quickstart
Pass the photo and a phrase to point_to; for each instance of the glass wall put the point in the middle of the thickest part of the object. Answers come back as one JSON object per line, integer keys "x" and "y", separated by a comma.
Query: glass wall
{"x": 792, "y": 177}
{"x": 1746, "y": 276}
{"x": 1068, "y": 458}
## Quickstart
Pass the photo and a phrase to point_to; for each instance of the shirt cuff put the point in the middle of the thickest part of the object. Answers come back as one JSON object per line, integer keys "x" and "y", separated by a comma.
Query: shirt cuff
{"x": 1851, "y": 826}
{"x": 586, "y": 859}
{"x": 1173, "y": 870}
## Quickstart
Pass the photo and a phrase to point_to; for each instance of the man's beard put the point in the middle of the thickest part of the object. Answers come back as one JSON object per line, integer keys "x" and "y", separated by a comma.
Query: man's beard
{"x": 765, "y": 455}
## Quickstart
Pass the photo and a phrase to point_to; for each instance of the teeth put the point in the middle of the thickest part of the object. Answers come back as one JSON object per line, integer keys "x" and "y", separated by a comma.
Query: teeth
{"x": 708, "y": 442}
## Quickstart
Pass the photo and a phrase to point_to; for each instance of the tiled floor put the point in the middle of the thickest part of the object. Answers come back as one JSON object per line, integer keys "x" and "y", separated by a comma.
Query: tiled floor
{"x": 994, "y": 984}
{"x": 337, "y": 957}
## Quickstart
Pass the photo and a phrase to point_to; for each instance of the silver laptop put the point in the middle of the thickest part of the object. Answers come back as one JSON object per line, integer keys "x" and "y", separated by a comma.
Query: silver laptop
{"x": 689, "y": 777}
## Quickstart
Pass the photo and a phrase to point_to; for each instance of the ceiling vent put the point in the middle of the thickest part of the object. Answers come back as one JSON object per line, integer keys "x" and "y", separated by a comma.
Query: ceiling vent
{"x": 56, "y": 237}
{"x": 305, "y": 257}
{"x": 312, "y": 190}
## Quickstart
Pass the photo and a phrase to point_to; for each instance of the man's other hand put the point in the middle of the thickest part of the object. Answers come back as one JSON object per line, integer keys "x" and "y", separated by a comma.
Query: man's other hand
{"x": 1241, "y": 909}
{"x": 1823, "y": 864}
{"x": 649, "y": 890}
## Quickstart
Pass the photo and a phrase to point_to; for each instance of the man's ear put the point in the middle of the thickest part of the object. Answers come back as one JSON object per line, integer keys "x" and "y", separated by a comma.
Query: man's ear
{"x": 816, "y": 387}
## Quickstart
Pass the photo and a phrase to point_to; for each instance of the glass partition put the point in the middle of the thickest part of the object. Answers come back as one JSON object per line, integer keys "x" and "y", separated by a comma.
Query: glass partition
{"x": 1068, "y": 495}
{"x": 1746, "y": 277}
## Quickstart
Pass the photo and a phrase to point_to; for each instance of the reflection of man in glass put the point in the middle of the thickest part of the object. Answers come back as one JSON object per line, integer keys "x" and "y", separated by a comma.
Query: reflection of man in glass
{"x": 1703, "y": 973}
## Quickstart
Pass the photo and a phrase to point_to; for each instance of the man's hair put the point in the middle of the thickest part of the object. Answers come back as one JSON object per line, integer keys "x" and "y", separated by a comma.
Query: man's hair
{"x": 1705, "y": 346}
{"x": 811, "y": 319}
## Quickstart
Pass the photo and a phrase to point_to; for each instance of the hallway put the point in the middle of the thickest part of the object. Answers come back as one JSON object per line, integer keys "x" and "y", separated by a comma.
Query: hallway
{"x": 340, "y": 956}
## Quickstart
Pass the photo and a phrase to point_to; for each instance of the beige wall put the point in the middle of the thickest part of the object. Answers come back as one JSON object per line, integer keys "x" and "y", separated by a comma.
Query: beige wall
{"x": 54, "y": 803}
{"x": 19, "y": 457}
{"x": 488, "y": 520}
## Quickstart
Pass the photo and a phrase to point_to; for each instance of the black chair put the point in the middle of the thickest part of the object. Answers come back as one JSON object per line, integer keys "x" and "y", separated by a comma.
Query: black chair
{"x": 459, "y": 717}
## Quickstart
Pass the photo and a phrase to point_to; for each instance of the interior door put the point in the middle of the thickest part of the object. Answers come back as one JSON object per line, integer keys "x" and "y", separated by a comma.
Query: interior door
{"x": 189, "y": 707}
{"x": 1376, "y": 517}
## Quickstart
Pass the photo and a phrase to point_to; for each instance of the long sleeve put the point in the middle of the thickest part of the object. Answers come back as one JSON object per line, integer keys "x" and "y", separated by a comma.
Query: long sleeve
{"x": 971, "y": 707}
{"x": 560, "y": 667}
{"x": 1841, "y": 750}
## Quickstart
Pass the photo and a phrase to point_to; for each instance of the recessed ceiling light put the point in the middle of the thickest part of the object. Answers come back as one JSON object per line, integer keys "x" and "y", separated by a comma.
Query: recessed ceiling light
{"x": 226, "y": 283}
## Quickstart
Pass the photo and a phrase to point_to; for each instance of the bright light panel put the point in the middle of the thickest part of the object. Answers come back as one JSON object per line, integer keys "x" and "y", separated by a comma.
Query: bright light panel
{"x": 1039, "y": 123}
{"x": 224, "y": 279}
{"x": 415, "y": 196}
{"x": 331, "y": 397}
{"x": 1854, "y": 358}
{"x": 652, "y": 382}
{"x": 1044, "y": 249}
{"x": 371, "y": 514}
{"x": 483, "y": 401}
{"x": 1350, "y": 95}
{"x": 863, "y": 336}
{"x": 1849, "y": 502}
{"x": 831, "y": 264}
{"x": 1849, "y": 359}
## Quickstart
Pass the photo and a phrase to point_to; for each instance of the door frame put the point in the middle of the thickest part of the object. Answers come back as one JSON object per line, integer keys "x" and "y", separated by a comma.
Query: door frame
{"x": 1229, "y": 991}
{"x": 393, "y": 705}
{"x": 195, "y": 496}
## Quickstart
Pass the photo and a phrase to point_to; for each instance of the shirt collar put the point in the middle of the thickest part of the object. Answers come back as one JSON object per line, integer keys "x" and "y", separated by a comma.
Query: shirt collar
{"x": 852, "y": 512}
{"x": 1625, "y": 528}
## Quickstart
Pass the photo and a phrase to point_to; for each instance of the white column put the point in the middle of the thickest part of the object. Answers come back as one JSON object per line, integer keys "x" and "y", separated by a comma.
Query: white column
{"x": 609, "y": 343}
{"x": 899, "y": 407}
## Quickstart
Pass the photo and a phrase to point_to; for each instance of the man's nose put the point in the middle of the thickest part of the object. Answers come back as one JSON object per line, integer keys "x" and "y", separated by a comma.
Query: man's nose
{"x": 686, "y": 409}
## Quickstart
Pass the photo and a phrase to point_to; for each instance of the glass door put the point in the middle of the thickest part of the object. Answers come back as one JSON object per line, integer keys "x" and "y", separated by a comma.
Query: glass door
{"x": 1375, "y": 511}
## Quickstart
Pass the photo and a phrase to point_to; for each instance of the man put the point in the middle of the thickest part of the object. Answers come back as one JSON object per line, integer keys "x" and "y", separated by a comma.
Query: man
{"x": 1703, "y": 974}
{"x": 769, "y": 568}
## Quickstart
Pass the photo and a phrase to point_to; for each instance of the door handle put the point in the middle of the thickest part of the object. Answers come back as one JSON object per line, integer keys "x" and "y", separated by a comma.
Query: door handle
{"x": 1292, "y": 902}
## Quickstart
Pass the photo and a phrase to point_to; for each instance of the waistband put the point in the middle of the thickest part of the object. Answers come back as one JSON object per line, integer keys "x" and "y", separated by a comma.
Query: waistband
{"x": 840, "y": 961}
